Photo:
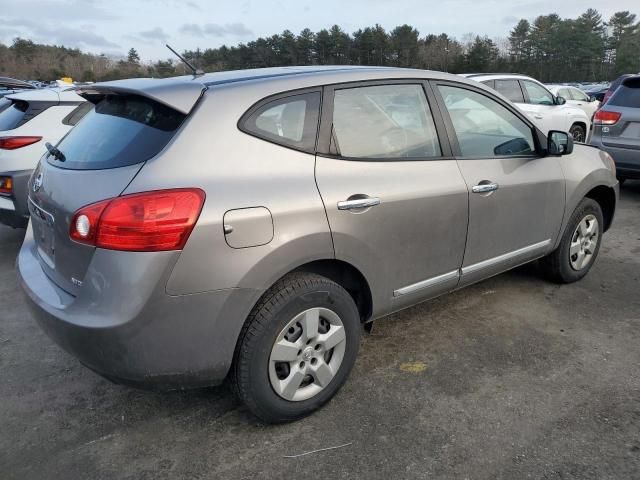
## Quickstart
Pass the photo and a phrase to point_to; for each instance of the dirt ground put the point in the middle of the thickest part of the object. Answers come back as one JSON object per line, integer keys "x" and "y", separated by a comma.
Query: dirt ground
{"x": 512, "y": 378}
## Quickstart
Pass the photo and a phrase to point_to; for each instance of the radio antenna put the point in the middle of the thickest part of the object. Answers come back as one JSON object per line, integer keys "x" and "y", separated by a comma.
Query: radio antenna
{"x": 184, "y": 60}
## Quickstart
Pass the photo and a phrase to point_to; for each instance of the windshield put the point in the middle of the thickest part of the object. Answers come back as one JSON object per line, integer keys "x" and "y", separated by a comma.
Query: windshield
{"x": 121, "y": 130}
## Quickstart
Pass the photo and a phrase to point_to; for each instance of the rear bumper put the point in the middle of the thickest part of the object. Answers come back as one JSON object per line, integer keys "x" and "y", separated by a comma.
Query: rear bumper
{"x": 627, "y": 159}
{"x": 13, "y": 208}
{"x": 125, "y": 327}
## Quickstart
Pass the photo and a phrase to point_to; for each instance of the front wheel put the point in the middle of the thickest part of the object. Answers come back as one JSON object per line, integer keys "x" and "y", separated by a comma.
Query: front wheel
{"x": 578, "y": 133}
{"x": 579, "y": 246}
{"x": 297, "y": 348}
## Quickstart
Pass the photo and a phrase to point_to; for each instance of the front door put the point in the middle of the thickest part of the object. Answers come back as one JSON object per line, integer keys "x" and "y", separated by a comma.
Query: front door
{"x": 395, "y": 198}
{"x": 516, "y": 198}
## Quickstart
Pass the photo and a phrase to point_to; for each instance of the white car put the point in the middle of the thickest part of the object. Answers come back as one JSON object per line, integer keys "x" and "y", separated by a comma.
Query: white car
{"x": 28, "y": 120}
{"x": 546, "y": 110}
{"x": 576, "y": 97}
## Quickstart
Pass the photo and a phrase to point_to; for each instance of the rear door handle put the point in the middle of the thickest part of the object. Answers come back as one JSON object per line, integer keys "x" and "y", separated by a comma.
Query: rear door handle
{"x": 358, "y": 203}
{"x": 539, "y": 117}
{"x": 485, "y": 188}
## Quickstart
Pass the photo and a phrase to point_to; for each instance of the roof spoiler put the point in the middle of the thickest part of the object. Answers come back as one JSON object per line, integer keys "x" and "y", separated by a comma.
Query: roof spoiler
{"x": 178, "y": 94}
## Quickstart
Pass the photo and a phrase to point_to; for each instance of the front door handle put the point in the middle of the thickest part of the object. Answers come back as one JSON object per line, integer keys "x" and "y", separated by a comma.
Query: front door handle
{"x": 539, "y": 117}
{"x": 485, "y": 188}
{"x": 358, "y": 203}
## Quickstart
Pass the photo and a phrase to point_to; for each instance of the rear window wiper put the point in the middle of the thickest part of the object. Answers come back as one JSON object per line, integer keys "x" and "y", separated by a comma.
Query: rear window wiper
{"x": 55, "y": 152}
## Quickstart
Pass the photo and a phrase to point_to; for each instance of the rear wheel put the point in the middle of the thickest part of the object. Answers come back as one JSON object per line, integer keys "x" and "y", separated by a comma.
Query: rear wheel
{"x": 297, "y": 348}
{"x": 579, "y": 246}
{"x": 578, "y": 133}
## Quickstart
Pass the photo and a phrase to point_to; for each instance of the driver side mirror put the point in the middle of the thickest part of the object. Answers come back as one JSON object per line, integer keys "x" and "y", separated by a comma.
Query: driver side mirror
{"x": 559, "y": 143}
{"x": 560, "y": 100}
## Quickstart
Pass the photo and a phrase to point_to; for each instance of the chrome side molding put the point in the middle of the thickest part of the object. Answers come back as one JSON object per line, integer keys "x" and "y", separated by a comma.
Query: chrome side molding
{"x": 504, "y": 257}
{"x": 456, "y": 274}
{"x": 429, "y": 282}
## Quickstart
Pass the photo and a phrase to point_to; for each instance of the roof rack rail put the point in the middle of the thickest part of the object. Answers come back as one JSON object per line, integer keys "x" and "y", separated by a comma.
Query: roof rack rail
{"x": 471, "y": 75}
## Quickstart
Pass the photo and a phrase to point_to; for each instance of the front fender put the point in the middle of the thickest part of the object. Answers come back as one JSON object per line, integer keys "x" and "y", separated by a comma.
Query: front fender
{"x": 585, "y": 169}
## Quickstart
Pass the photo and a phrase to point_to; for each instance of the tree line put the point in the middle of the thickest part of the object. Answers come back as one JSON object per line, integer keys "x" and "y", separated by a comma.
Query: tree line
{"x": 552, "y": 49}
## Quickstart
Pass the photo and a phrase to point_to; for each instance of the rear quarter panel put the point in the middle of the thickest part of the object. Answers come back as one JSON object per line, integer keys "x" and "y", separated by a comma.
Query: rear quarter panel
{"x": 238, "y": 171}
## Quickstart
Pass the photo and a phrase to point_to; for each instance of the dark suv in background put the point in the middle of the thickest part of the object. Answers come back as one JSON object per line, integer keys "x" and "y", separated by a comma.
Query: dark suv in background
{"x": 617, "y": 128}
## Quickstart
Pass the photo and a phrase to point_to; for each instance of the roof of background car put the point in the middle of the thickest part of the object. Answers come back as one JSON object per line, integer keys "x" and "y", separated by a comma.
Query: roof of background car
{"x": 47, "y": 95}
{"x": 182, "y": 92}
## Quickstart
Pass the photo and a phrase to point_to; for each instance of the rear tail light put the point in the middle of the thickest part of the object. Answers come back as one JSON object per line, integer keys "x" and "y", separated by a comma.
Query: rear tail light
{"x": 11, "y": 143}
{"x": 604, "y": 117}
{"x": 142, "y": 222}
{"x": 6, "y": 185}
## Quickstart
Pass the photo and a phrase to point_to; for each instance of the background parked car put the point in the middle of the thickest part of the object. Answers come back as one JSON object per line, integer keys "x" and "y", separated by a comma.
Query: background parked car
{"x": 597, "y": 92}
{"x": 576, "y": 97}
{"x": 614, "y": 85}
{"x": 545, "y": 109}
{"x": 11, "y": 85}
{"x": 28, "y": 120}
{"x": 617, "y": 128}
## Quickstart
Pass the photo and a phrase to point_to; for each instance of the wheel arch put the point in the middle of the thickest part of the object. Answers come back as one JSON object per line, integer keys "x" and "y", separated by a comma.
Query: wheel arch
{"x": 606, "y": 198}
{"x": 580, "y": 123}
{"x": 348, "y": 277}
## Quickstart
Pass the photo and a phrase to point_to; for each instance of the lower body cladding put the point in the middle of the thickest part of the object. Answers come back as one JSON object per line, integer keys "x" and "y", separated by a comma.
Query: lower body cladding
{"x": 124, "y": 326}
{"x": 13, "y": 205}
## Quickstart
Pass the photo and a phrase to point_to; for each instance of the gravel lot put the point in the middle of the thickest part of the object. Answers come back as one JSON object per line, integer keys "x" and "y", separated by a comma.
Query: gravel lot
{"x": 512, "y": 378}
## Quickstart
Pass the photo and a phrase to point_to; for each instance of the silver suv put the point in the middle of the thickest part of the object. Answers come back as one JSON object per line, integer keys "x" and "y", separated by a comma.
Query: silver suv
{"x": 245, "y": 225}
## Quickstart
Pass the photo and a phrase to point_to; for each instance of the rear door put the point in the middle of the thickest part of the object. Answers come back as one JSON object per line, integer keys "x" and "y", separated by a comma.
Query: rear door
{"x": 394, "y": 196}
{"x": 97, "y": 160}
{"x": 516, "y": 199}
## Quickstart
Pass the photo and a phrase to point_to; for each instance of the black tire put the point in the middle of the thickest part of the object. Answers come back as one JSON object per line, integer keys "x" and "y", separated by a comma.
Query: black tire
{"x": 293, "y": 294}
{"x": 557, "y": 265}
{"x": 578, "y": 133}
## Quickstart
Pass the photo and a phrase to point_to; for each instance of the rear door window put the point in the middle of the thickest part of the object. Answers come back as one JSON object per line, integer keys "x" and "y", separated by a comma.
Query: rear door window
{"x": 510, "y": 89}
{"x": 384, "y": 121}
{"x": 121, "y": 130}
{"x": 291, "y": 121}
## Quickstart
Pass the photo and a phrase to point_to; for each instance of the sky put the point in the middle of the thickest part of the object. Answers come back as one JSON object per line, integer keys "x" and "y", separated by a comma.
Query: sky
{"x": 112, "y": 27}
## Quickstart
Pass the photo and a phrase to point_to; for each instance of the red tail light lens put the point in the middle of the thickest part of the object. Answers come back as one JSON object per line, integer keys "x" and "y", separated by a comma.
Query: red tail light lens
{"x": 603, "y": 117}
{"x": 143, "y": 222}
{"x": 6, "y": 185}
{"x": 11, "y": 143}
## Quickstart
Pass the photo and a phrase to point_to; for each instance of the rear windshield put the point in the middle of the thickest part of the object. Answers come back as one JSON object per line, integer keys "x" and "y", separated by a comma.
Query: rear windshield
{"x": 627, "y": 96}
{"x": 121, "y": 130}
{"x": 12, "y": 116}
